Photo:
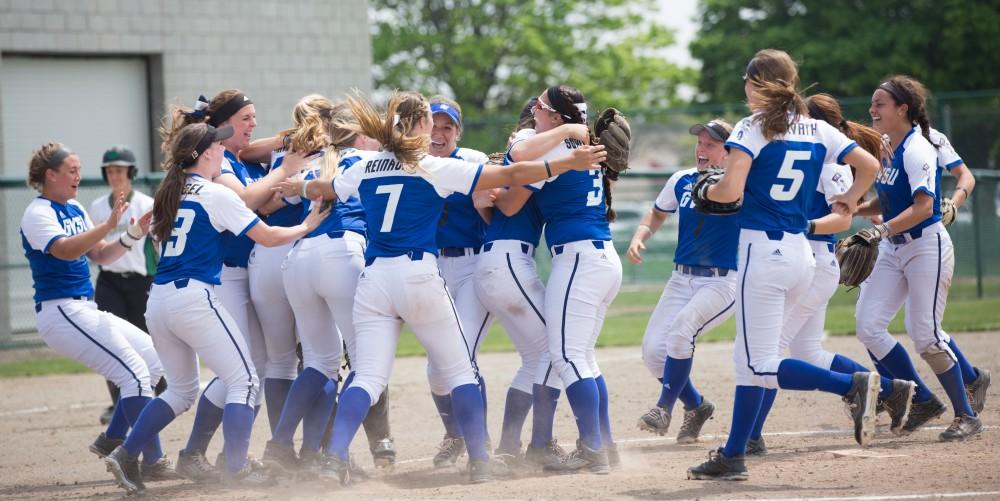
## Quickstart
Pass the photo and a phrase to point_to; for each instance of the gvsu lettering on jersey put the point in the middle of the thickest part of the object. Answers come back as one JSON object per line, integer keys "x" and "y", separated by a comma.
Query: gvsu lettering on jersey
{"x": 887, "y": 175}
{"x": 686, "y": 197}
{"x": 382, "y": 165}
{"x": 74, "y": 225}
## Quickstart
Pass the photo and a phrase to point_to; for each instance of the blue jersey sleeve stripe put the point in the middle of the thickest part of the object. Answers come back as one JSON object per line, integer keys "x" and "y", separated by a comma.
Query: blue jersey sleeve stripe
{"x": 954, "y": 164}
{"x": 49, "y": 245}
{"x": 923, "y": 189}
{"x": 741, "y": 147}
{"x": 475, "y": 180}
{"x": 657, "y": 207}
{"x": 251, "y": 225}
{"x": 840, "y": 157}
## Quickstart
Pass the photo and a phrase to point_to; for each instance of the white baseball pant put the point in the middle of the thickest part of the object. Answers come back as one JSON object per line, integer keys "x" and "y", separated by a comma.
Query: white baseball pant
{"x": 190, "y": 322}
{"x": 586, "y": 276}
{"x": 689, "y": 306}
{"x": 918, "y": 274}
{"x": 321, "y": 276}
{"x": 508, "y": 285}
{"x": 805, "y": 322}
{"x": 772, "y": 275}
{"x": 234, "y": 293}
{"x": 459, "y": 278}
{"x": 277, "y": 321}
{"x": 108, "y": 345}
{"x": 396, "y": 290}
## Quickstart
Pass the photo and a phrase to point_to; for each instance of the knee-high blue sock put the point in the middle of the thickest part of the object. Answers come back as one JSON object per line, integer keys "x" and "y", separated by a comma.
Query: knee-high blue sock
{"x": 954, "y": 386}
{"x": 795, "y": 374}
{"x": 237, "y": 424}
{"x": 899, "y": 364}
{"x": 602, "y": 391}
{"x": 543, "y": 403}
{"x": 585, "y": 402}
{"x": 765, "y": 409}
{"x": 155, "y": 416}
{"x": 447, "y": 413}
{"x": 304, "y": 393}
{"x": 132, "y": 409}
{"x": 746, "y": 406}
{"x": 880, "y": 367}
{"x": 515, "y": 412}
{"x": 118, "y": 426}
{"x": 676, "y": 372}
{"x": 351, "y": 411}
{"x": 276, "y": 391}
{"x": 207, "y": 418}
{"x": 690, "y": 397}
{"x": 314, "y": 422}
{"x": 845, "y": 365}
{"x": 968, "y": 371}
{"x": 467, "y": 402}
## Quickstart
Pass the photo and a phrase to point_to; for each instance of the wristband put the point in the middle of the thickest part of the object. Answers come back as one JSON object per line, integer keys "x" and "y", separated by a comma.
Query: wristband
{"x": 548, "y": 169}
{"x": 812, "y": 227}
{"x": 963, "y": 189}
{"x": 305, "y": 187}
{"x": 123, "y": 244}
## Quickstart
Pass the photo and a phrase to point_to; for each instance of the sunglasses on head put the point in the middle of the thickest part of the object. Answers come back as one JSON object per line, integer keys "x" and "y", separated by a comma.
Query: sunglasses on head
{"x": 542, "y": 106}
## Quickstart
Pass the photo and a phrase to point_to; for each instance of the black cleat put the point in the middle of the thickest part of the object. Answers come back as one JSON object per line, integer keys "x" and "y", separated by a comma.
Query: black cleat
{"x": 720, "y": 467}
{"x": 694, "y": 420}
{"x": 449, "y": 451}
{"x": 756, "y": 447}
{"x": 861, "y": 402}
{"x": 594, "y": 460}
{"x": 962, "y": 428}
{"x": 897, "y": 405}
{"x": 103, "y": 446}
{"x": 125, "y": 469}
{"x": 922, "y": 413}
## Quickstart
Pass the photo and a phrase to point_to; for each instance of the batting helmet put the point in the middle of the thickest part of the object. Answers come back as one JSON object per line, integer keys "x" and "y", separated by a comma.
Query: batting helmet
{"x": 119, "y": 155}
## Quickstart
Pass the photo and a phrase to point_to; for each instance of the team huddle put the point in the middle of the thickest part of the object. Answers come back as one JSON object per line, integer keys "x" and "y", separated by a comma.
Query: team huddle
{"x": 285, "y": 261}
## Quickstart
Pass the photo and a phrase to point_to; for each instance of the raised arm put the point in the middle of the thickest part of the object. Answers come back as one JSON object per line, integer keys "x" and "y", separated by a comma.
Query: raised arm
{"x": 540, "y": 144}
{"x": 523, "y": 173}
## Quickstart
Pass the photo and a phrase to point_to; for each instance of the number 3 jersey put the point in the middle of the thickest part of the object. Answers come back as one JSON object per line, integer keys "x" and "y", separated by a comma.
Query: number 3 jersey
{"x": 702, "y": 239}
{"x": 210, "y": 215}
{"x": 785, "y": 171}
{"x": 44, "y": 222}
{"x": 402, "y": 209}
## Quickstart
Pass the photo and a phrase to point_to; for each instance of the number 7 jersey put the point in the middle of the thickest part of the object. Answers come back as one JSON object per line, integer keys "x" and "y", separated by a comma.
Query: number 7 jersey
{"x": 785, "y": 171}
{"x": 209, "y": 216}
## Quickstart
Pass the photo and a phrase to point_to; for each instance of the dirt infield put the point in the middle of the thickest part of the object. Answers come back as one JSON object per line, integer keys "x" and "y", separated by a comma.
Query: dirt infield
{"x": 46, "y": 424}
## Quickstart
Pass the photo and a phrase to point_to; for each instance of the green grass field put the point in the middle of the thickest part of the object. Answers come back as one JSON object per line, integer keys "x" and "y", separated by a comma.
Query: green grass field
{"x": 625, "y": 325}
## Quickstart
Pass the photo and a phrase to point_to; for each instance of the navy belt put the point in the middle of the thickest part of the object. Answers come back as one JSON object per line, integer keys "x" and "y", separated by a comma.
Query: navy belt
{"x": 906, "y": 236}
{"x": 558, "y": 249}
{"x": 457, "y": 251}
{"x": 38, "y": 305}
{"x": 702, "y": 271}
{"x": 830, "y": 246}
{"x": 182, "y": 283}
{"x": 775, "y": 234}
{"x": 413, "y": 255}
{"x": 525, "y": 248}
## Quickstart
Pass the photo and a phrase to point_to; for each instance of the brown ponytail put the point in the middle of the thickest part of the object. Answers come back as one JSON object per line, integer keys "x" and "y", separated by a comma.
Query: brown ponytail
{"x": 392, "y": 130}
{"x": 773, "y": 77}
{"x": 825, "y": 107}
{"x": 42, "y": 161}
{"x": 167, "y": 199}
{"x": 909, "y": 91}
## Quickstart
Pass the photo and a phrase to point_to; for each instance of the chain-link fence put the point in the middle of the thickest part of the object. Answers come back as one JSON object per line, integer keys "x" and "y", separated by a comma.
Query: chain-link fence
{"x": 662, "y": 145}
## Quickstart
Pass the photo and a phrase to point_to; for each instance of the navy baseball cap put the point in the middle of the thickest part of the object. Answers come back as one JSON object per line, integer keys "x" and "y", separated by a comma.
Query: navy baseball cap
{"x": 718, "y": 129}
{"x": 447, "y": 110}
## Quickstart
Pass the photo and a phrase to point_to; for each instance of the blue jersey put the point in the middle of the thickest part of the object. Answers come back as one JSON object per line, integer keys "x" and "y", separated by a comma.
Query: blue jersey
{"x": 785, "y": 171}
{"x": 525, "y": 226}
{"x": 289, "y": 215}
{"x": 44, "y": 222}
{"x": 460, "y": 224}
{"x": 702, "y": 239}
{"x": 572, "y": 203}
{"x": 913, "y": 169}
{"x": 835, "y": 179}
{"x": 238, "y": 252}
{"x": 209, "y": 216}
{"x": 402, "y": 208}
{"x": 346, "y": 215}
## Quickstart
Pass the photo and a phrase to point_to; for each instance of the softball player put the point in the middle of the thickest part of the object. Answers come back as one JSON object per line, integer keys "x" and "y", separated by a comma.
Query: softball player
{"x": 398, "y": 187}
{"x": 802, "y": 333}
{"x": 775, "y": 159}
{"x": 252, "y": 183}
{"x": 586, "y": 272}
{"x": 915, "y": 264}
{"x": 185, "y": 317}
{"x": 701, "y": 291}
{"x": 508, "y": 285}
{"x": 460, "y": 235}
{"x": 59, "y": 237}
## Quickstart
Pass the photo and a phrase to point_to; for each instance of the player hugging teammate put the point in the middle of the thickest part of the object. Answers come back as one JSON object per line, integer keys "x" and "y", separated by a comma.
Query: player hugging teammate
{"x": 335, "y": 232}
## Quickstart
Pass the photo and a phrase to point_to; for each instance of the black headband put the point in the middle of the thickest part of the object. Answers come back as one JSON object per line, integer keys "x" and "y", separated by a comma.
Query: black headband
{"x": 816, "y": 112}
{"x": 57, "y": 158}
{"x": 894, "y": 91}
{"x": 562, "y": 104}
{"x": 751, "y": 72}
{"x": 227, "y": 110}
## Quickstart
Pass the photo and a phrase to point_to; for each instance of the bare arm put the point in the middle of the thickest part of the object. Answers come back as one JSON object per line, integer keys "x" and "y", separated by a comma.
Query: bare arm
{"x": 510, "y": 201}
{"x": 831, "y": 223}
{"x": 651, "y": 222}
{"x": 730, "y": 187}
{"x": 865, "y": 168}
{"x": 92, "y": 241}
{"x": 258, "y": 193}
{"x": 260, "y": 149}
{"x": 870, "y": 207}
{"x": 273, "y": 236}
{"x": 541, "y": 143}
{"x": 965, "y": 182}
{"x": 922, "y": 208}
{"x": 523, "y": 173}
